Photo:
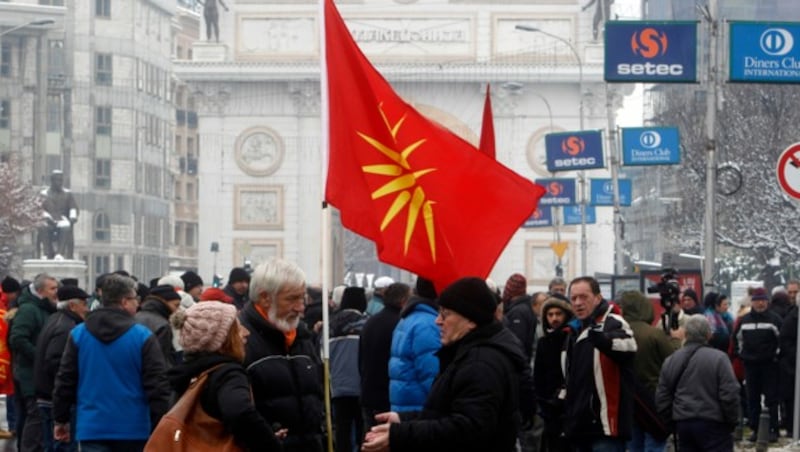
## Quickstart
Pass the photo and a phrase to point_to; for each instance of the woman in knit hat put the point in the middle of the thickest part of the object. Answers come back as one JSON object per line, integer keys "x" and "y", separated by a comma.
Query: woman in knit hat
{"x": 211, "y": 335}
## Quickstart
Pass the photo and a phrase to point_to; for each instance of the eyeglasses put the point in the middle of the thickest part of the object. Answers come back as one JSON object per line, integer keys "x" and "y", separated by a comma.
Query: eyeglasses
{"x": 444, "y": 313}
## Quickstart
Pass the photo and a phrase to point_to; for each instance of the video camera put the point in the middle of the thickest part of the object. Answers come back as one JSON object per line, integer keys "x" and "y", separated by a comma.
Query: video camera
{"x": 669, "y": 290}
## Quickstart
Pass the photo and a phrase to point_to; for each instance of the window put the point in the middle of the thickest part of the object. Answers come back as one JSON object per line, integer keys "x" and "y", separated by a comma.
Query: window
{"x": 5, "y": 114}
{"x": 5, "y": 60}
{"x": 102, "y": 8}
{"x": 190, "y": 235}
{"x": 190, "y": 191}
{"x": 102, "y": 264}
{"x": 102, "y": 173}
{"x": 56, "y": 66}
{"x": 102, "y": 120}
{"x": 54, "y": 113}
{"x": 102, "y": 228}
{"x": 103, "y": 69}
{"x": 52, "y": 2}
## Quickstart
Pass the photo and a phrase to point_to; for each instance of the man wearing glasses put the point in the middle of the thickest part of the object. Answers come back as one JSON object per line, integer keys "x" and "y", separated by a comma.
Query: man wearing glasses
{"x": 114, "y": 372}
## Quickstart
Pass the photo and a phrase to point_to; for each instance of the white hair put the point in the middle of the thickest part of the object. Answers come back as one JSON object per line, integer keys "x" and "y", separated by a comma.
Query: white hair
{"x": 272, "y": 275}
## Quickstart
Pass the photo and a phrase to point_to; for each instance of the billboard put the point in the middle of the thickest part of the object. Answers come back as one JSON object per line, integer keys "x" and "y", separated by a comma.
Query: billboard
{"x": 541, "y": 217}
{"x": 560, "y": 192}
{"x": 568, "y": 151}
{"x": 572, "y": 215}
{"x": 765, "y": 52}
{"x": 603, "y": 192}
{"x": 650, "y": 146}
{"x": 651, "y": 52}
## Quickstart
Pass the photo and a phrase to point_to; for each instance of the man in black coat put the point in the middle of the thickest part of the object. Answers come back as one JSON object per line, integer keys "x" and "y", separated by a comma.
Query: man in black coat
{"x": 374, "y": 352}
{"x": 473, "y": 404}
{"x": 154, "y": 313}
{"x": 73, "y": 305}
{"x": 281, "y": 356}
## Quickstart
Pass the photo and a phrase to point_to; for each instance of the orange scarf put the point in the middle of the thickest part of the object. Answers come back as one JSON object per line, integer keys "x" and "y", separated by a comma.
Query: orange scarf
{"x": 289, "y": 336}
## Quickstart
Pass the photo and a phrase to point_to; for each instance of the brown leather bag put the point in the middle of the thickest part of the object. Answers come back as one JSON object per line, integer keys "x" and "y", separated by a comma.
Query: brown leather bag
{"x": 187, "y": 427}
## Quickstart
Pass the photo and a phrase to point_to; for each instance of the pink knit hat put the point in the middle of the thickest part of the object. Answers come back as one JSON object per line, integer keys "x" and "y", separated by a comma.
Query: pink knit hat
{"x": 204, "y": 326}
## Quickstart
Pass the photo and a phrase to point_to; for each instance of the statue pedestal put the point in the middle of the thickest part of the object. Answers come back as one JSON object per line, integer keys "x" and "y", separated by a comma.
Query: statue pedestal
{"x": 209, "y": 52}
{"x": 59, "y": 269}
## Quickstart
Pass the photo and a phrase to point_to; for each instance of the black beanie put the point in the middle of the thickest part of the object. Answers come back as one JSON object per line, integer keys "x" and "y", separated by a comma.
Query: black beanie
{"x": 238, "y": 274}
{"x": 10, "y": 285}
{"x": 354, "y": 298}
{"x": 425, "y": 288}
{"x": 165, "y": 292}
{"x": 191, "y": 280}
{"x": 471, "y": 298}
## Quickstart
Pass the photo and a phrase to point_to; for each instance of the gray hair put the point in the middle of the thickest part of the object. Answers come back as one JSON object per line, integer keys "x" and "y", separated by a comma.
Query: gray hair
{"x": 557, "y": 281}
{"x": 697, "y": 328}
{"x": 63, "y": 304}
{"x": 271, "y": 276}
{"x": 115, "y": 288}
{"x": 40, "y": 279}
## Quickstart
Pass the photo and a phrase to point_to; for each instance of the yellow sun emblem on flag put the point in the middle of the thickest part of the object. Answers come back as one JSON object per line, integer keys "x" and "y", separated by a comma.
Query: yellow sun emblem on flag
{"x": 409, "y": 194}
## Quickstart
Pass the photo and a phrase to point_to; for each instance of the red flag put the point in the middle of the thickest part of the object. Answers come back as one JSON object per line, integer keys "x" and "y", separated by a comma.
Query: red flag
{"x": 431, "y": 203}
{"x": 487, "y": 128}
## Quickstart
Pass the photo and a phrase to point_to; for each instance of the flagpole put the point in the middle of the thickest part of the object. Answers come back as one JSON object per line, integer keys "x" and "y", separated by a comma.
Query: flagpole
{"x": 325, "y": 223}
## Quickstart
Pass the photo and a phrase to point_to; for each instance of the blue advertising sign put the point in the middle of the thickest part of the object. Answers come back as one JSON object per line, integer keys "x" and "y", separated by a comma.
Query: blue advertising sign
{"x": 650, "y": 146}
{"x": 603, "y": 192}
{"x": 560, "y": 192}
{"x": 572, "y": 215}
{"x": 542, "y": 216}
{"x": 651, "y": 52}
{"x": 765, "y": 52}
{"x": 569, "y": 151}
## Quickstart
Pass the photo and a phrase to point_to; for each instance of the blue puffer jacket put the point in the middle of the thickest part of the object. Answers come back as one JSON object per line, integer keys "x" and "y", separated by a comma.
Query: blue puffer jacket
{"x": 413, "y": 364}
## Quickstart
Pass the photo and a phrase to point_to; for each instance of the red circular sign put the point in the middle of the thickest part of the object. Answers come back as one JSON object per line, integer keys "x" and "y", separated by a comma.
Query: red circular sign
{"x": 789, "y": 171}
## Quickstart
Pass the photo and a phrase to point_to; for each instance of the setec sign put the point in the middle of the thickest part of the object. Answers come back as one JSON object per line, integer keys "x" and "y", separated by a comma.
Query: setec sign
{"x": 570, "y": 151}
{"x": 560, "y": 192}
{"x": 572, "y": 215}
{"x": 541, "y": 217}
{"x": 650, "y": 146}
{"x": 603, "y": 192}
{"x": 765, "y": 52}
{"x": 651, "y": 52}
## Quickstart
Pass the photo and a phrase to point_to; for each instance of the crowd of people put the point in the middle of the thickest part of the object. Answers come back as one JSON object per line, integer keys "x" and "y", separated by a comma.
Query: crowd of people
{"x": 474, "y": 367}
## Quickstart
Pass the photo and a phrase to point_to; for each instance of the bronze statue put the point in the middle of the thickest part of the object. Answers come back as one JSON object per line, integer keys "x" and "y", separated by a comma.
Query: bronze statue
{"x": 601, "y": 14}
{"x": 60, "y": 213}
{"x": 211, "y": 16}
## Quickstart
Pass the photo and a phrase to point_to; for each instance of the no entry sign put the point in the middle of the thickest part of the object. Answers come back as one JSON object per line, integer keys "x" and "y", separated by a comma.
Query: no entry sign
{"x": 789, "y": 171}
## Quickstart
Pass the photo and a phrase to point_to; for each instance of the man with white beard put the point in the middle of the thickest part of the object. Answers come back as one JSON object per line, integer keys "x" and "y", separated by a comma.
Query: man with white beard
{"x": 281, "y": 357}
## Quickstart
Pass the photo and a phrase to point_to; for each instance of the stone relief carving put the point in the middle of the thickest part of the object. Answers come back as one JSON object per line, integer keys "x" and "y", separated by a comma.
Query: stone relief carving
{"x": 259, "y": 151}
{"x": 258, "y": 207}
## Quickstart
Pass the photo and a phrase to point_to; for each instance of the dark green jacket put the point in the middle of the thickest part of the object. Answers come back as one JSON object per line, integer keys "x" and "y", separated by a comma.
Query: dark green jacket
{"x": 653, "y": 346}
{"x": 25, "y": 328}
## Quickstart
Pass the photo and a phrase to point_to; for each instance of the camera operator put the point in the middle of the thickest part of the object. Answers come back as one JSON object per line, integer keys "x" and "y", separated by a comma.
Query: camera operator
{"x": 669, "y": 290}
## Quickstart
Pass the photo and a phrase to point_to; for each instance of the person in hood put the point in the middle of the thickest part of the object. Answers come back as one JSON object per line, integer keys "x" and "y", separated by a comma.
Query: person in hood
{"x": 474, "y": 402}
{"x": 36, "y": 304}
{"x": 653, "y": 347}
{"x": 113, "y": 371}
{"x": 599, "y": 402}
{"x": 212, "y": 337}
{"x": 548, "y": 372}
{"x": 413, "y": 364}
{"x": 154, "y": 313}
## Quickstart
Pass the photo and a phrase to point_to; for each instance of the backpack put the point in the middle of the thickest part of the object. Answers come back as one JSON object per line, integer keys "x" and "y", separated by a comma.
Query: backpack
{"x": 187, "y": 427}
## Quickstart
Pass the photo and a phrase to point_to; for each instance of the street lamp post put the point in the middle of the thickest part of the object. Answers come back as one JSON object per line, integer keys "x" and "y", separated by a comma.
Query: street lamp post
{"x": 581, "y": 174}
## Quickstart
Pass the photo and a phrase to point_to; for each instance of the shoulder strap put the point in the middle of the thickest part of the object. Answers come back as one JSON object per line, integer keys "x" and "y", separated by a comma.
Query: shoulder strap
{"x": 683, "y": 369}
{"x": 191, "y": 396}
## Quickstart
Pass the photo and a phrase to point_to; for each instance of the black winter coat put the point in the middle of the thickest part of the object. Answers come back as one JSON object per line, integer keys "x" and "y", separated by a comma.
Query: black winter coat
{"x": 226, "y": 397}
{"x": 49, "y": 348}
{"x": 521, "y": 320}
{"x": 373, "y": 358}
{"x": 154, "y": 314}
{"x": 474, "y": 401}
{"x": 287, "y": 383}
{"x": 756, "y": 337}
{"x": 788, "y": 353}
